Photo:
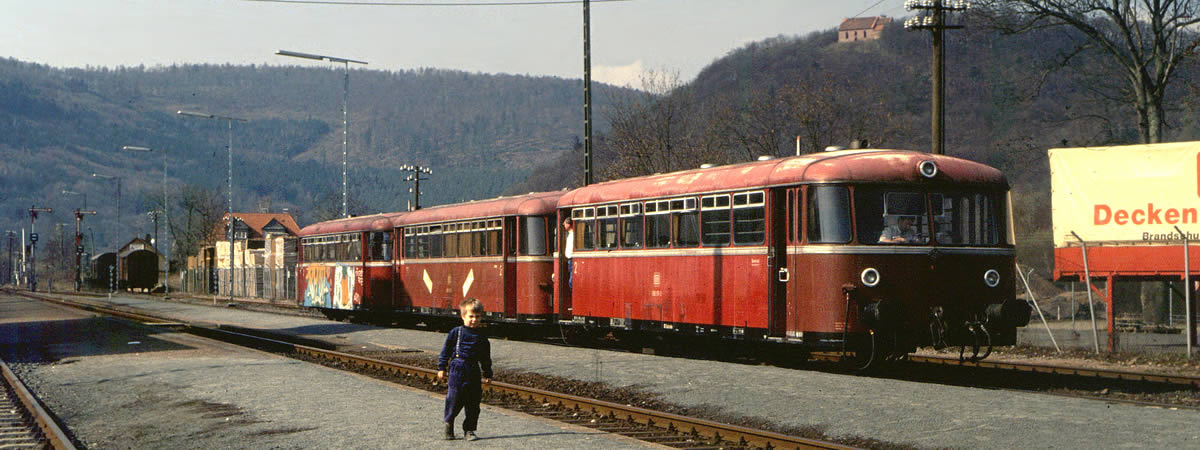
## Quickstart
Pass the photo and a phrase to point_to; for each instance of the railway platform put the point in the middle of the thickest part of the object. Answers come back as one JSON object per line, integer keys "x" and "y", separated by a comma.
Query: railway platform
{"x": 117, "y": 385}
{"x": 902, "y": 412}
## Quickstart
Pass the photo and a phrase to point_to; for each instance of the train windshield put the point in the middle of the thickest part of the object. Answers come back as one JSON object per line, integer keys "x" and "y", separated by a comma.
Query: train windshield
{"x": 965, "y": 218}
{"x": 892, "y": 216}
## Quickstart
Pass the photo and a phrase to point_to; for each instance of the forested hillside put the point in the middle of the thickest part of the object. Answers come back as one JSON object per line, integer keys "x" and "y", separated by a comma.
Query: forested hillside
{"x": 479, "y": 133}
{"x": 1009, "y": 98}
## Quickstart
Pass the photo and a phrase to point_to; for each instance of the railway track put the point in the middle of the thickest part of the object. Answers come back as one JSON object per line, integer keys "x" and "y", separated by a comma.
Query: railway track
{"x": 24, "y": 424}
{"x": 657, "y": 427}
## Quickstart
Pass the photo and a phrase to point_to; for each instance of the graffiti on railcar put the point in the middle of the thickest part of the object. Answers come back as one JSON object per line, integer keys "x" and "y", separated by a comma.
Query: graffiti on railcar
{"x": 332, "y": 286}
{"x": 316, "y": 291}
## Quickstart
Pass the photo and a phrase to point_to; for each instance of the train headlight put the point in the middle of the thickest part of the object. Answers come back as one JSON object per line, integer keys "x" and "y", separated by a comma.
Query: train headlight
{"x": 928, "y": 169}
{"x": 991, "y": 278}
{"x": 869, "y": 277}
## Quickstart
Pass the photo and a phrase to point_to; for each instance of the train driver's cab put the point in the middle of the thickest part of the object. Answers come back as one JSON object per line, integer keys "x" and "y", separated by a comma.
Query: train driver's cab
{"x": 904, "y": 219}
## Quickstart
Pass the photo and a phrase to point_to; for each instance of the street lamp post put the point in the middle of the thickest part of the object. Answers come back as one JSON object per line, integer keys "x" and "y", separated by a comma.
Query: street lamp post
{"x": 229, "y": 230}
{"x": 345, "y": 107}
{"x": 117, "y": 259}
{"x": 166, "y": 215}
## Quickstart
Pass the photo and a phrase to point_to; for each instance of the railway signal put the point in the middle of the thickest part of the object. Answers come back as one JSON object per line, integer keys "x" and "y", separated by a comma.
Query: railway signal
{"x": 33, "y": 238}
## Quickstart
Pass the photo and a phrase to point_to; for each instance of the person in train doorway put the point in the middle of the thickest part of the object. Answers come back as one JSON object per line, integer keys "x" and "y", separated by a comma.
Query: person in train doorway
{"x": 467, "y": 358}
{"x": 902, "y": 232}
{"x": 569, "y": 250}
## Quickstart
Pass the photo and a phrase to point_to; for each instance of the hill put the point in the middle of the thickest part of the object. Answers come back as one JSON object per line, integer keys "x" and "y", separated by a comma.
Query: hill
{"x": 479, "y": 133}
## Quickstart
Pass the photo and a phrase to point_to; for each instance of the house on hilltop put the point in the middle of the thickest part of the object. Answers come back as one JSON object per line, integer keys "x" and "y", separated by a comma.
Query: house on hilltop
{"x": 862, "y": 28}
{"x": 263, "y": 258}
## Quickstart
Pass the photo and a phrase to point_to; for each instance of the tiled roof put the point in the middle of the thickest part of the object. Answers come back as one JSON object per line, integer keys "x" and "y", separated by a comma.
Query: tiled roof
{"x": 256, "y": 222}
{"x": 861, "y": 23}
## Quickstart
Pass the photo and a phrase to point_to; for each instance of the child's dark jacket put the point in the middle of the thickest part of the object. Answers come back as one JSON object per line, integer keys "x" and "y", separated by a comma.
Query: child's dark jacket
{"x": 466, "y": 355}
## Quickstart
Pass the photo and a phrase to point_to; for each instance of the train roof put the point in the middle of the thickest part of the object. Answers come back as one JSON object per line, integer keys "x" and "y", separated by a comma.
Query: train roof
{"x": 871, "y": 165}
{"x": 374, "y": 222}
{"x": 532, "y": 204}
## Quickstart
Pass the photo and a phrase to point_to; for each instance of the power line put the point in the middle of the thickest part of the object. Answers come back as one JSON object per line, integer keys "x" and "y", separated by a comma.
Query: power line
{"x": 368, "y": 3}
{"x": 868, "y": 8}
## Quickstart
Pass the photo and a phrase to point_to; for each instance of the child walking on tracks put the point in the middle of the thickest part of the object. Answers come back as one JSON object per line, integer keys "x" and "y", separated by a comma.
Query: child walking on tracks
{"x": 468, "y": 356}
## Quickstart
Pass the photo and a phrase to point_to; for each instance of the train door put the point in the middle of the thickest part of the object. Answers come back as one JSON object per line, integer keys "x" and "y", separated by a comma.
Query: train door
{"x": 509, "y": 262}
{"x": 795, "y": 200}
{"x": 778, "y": 267}
{"x": 562, "y": 298}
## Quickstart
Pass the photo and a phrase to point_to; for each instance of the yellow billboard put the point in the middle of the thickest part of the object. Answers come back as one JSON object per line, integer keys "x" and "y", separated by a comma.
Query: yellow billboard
{"x": 1128, "y": 195}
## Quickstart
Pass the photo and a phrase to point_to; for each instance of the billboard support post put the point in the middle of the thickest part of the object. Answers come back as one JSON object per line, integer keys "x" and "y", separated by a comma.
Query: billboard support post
{"x": 1087, "y": 278}
{"x": 1025, "y": 279}
{"x": 1187, "y": 293}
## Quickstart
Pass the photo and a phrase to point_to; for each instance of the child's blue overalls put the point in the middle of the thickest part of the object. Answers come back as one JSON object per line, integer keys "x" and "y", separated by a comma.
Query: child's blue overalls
{"x": 466, "y": 357}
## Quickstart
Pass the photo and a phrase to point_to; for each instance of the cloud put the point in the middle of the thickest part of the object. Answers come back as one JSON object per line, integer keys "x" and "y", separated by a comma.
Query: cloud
{"x": 626, "y": 76}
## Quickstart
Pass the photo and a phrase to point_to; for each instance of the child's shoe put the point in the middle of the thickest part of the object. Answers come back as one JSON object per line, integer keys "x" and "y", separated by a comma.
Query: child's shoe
{"x": 449, "y": 432}
{"x": 470, "y": 435}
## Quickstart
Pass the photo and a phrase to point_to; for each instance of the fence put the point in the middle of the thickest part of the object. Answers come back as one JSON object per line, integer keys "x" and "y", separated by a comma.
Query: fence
{"x": 256, "y": 282}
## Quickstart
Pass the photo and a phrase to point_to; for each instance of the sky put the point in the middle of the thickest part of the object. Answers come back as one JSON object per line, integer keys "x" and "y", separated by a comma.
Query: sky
{"x": 627, "y": 37}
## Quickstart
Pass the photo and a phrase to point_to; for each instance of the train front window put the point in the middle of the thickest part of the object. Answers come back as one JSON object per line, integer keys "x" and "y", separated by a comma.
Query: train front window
{"x": 828, "y": 212}
{"x": 965, "y": 218}
{"x": 890, "y": 217}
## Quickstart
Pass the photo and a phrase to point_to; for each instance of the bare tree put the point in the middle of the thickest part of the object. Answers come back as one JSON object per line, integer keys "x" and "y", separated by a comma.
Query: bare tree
{"x": 655, "y": 130}
{"x": 195, "y": 218}
{"x": 1147, "y": 40}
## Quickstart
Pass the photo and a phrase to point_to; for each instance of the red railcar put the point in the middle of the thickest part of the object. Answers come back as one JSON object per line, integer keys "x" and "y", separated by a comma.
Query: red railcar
{"x": 497, "y": 251}
{"x": 790, "y": 250}
{"x": 875, "y": 251}
{"x": 346, "y": 266}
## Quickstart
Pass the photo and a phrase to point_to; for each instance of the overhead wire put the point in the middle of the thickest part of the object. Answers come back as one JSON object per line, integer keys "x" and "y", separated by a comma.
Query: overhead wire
{"x": 456, "y": 3}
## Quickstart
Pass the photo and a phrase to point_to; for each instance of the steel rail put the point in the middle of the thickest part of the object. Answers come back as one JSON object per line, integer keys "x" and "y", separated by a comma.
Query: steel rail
{"x": 1050, "y": 369}
{"x": 45, "y": 423}
{"x": 743, "y": 436}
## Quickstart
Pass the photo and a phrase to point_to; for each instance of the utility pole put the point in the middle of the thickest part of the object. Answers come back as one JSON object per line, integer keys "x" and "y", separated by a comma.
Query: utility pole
{"x": 11, "y": 269}
{"x": 416, "y": 179}
{"x": 933, "y": 18}
{"x": 587, "y": 93}
{"x": 33, "y": 238}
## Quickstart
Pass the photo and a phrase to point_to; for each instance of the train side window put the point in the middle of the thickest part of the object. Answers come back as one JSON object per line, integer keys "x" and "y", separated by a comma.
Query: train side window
{"x": 714, "y": 220}
{"x": 658, "y": 224}
{"x": 749, "y": 218}
{"x": 606, "y": 226}
{"x": 450, "y": 240}
{"x": 828, "y": 212}
{"x": 631, "y": 225}
{"x": 464, "y": 239}
{"x": 492, "y": 233}
{"x": 435, "y": 245}
{"x": 380, "y": 243}
{"x": 686, "y": 220}
{"x": 533, "y": 236}
{"x": 585, "y": 228}
{"x": 510, "y": 234}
